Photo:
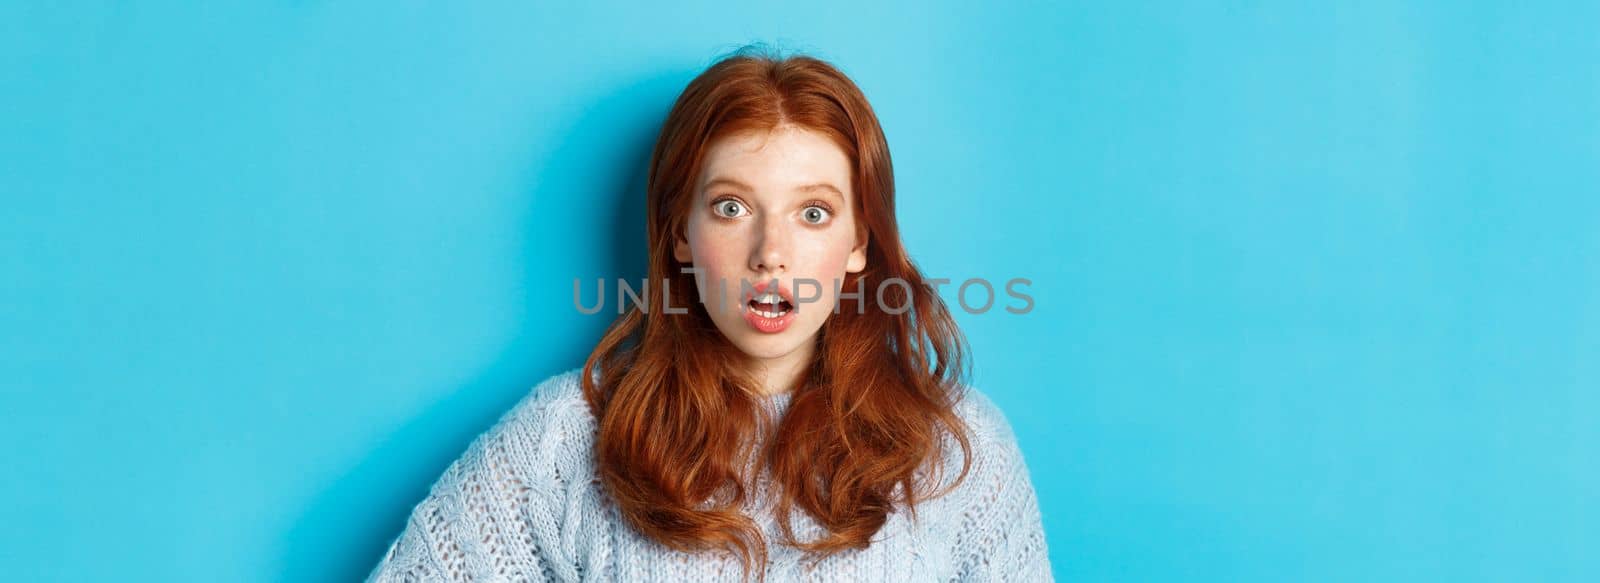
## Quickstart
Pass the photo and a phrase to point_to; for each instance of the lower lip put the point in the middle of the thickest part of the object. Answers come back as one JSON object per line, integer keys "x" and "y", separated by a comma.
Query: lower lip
{"x": 768, "y": 325}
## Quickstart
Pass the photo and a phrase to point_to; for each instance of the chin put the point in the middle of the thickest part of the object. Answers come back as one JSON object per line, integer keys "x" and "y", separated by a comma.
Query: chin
{"x": 767, "y": 347}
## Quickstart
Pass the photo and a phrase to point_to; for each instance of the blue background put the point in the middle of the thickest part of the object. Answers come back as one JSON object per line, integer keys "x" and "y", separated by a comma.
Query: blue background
{"x": 1317, "y": 288}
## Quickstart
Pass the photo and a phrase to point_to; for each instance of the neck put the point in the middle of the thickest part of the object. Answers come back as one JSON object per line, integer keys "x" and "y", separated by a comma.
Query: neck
{"x": 781, "y": 374}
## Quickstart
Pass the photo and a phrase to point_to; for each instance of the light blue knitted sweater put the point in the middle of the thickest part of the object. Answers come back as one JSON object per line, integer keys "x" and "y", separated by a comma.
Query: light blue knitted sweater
{"x": 524, "y": 503}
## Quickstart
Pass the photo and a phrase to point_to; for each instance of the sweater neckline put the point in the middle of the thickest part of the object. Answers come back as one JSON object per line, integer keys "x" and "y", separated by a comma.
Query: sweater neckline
{"x": 778, "y": 402}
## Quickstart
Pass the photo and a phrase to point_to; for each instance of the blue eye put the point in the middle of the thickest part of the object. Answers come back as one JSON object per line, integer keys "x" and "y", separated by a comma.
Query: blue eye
{"x": 815, "y": 215}
{"x": 728, "y": 208}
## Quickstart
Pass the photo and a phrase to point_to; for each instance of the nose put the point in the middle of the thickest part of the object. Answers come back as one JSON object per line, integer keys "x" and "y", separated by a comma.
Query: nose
{"x": 770, "y": 255}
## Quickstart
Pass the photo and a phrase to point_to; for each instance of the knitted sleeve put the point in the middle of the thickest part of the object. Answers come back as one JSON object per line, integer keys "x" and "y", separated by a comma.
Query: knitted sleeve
{"x": 1001, "y": 536}
{"x": 497, "y": 512}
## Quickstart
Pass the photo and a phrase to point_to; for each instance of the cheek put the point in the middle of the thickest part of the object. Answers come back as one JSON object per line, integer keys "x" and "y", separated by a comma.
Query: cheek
{"x": 829, "y": 258}
{"x": 830, "y": 254}
{"x": 719, "y": 254}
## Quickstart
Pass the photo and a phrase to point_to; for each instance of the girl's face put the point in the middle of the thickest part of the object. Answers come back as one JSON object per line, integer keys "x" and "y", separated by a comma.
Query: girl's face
{"x": 772, "y": 206}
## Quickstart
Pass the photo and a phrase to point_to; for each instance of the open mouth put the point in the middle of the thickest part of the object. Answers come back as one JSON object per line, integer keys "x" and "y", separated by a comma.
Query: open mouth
{"x": 769, "y": 305}
{"x": 770, "y": 308}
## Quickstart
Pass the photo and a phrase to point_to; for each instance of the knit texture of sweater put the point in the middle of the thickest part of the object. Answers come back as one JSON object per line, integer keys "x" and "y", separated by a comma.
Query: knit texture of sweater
{"x": 525, "y": 503}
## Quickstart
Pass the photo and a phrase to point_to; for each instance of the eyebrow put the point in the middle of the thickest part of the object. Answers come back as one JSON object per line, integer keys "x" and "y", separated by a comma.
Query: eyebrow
{"x": 729, "y": 182}
{"x": 822, "y": 186}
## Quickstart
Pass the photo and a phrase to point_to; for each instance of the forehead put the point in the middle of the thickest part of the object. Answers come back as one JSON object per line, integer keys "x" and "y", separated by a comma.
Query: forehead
{"x": 779, "y": 159}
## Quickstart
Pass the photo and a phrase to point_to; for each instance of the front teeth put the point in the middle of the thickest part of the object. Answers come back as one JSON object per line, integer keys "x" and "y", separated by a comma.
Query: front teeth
{"x": 771, "y": 298}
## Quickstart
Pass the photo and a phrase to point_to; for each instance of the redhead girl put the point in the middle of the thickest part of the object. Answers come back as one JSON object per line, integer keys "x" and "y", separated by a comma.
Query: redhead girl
{"x": 787, "y": 404}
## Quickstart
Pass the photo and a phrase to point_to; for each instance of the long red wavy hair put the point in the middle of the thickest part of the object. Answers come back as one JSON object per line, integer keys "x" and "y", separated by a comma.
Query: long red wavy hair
{"x": 678, "y": 411}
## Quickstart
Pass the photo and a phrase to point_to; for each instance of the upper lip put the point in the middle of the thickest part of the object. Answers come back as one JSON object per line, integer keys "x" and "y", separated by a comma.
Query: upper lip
{"x": 760, "y": 287}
